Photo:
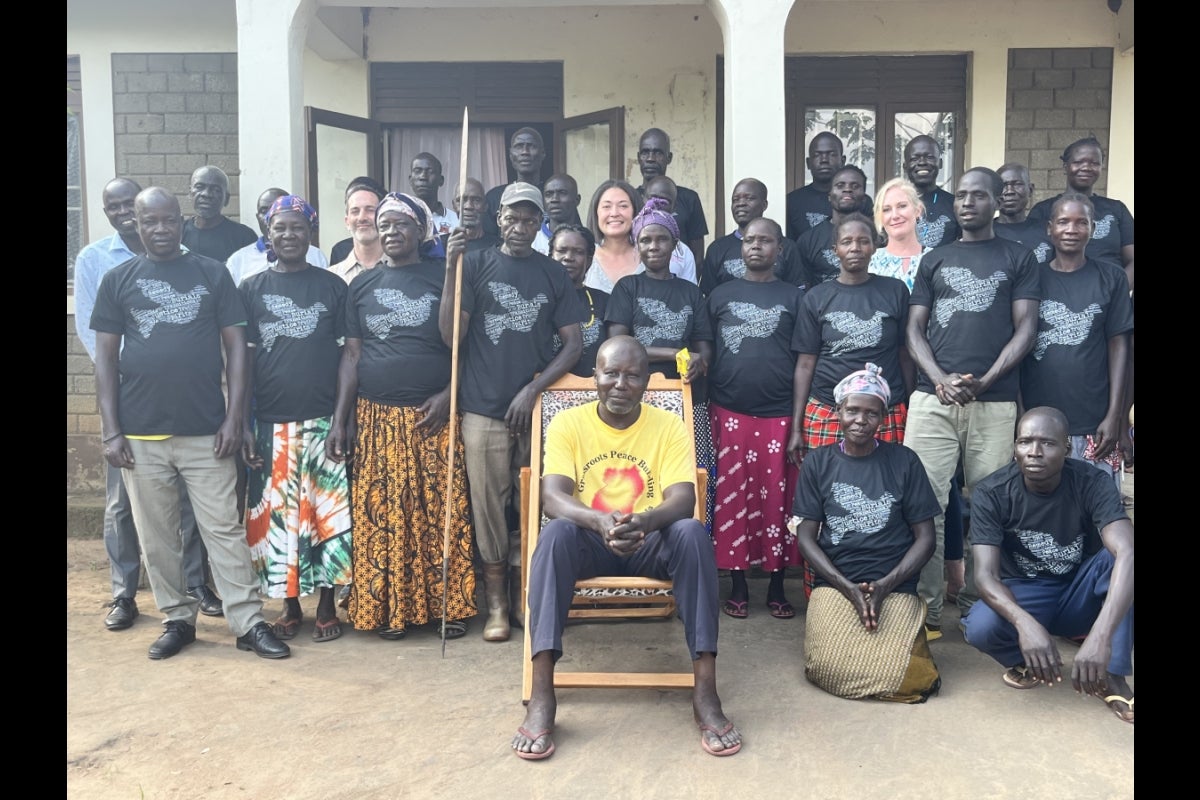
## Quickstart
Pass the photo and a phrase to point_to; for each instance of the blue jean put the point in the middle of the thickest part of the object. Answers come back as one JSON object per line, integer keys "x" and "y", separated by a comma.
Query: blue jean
{"x": 566, "y": 553}
{"x": 1062, "y": 607}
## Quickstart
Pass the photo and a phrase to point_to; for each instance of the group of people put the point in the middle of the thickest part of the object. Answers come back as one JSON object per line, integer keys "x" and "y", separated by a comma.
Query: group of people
{"x": 841, "y": 375}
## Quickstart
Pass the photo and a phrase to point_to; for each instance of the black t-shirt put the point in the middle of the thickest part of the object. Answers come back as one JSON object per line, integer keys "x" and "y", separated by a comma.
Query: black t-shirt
{"x": 516, "y": 307}
{"x": 1114, "y": 227}
{"x": 753, "y": 363}
{"x": 818, "y": 260}
{"x": 1031, "y": 233}
{"x": 170, "y": 314}
{"x": 723, "y": 262}
{"x": 295, "y": 322}
{"x": 846, "y": 326}
{"x": 868, "y": 506}
{"x": 220, "y": 242}
{"x": 485, "y": 242}
{"x": 689, "y": 214}
{"x": 938, "y": 226}
{"x": 341, "y": 250}
{"x": 1043, "y": 536}
{"x": 394, "y": 311}
{"x": 1068, "y": 366}
{"x": 969, "y": 289}
{"x": 660, "y": 313}
{"x": 595, "y": 302}
{"x": 808, "y": 207}
{"x": 493, "y": 195}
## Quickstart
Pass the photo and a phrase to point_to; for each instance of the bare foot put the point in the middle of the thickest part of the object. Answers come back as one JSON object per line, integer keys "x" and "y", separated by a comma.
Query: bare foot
{"x": 532, "y": 739}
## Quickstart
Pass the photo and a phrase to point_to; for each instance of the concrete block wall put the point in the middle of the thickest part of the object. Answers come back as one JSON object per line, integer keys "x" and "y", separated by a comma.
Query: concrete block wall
{"x": 1056, "y": 96}
{"x": 85, "y": 458}
{"x": 174, "y": 112}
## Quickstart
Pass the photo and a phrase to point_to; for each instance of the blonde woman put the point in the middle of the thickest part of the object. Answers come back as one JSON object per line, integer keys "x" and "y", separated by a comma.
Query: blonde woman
{"x": 896, "y": 214}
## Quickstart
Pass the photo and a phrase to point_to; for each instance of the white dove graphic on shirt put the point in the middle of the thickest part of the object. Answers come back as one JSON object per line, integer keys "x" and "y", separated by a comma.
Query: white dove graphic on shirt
{"x": 521, "y": 313}
{"x": 735, "y": 267}
{"x": 1103, "y": 226}
{"x": 858, "y": 332}
{"x": 974, "y": 294}
{"x": 864, "y": 514}
{"x": 756, "y": 323}
{"x": 405, "y": 312}
{"x": 815, "y": 218}
{"x": 931, "y": 231}
{"x": 294, "y": 321}
{"x": 1047, "y": 554}
{"x": 668, "y": 325}
{"x": 831, "y": 258}
{"x": 1067, "y": 327}
{"x": 174, "y": 308}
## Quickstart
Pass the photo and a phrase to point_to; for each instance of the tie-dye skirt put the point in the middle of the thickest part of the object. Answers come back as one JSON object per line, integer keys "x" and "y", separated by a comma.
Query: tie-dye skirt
{"x": 298, "y": 520}
{"x": 754, "y": 487}
{"x": 400, "y": 489}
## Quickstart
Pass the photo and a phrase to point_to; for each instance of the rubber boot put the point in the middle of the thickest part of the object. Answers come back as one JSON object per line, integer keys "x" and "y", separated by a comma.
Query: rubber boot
{"x": 495, "y": 579}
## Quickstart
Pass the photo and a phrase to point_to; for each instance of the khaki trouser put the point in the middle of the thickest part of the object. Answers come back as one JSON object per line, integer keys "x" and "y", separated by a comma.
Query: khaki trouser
{"x": 494, "y": 460}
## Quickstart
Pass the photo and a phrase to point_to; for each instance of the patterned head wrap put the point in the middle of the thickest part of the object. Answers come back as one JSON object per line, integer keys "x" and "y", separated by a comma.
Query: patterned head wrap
{"x": 865, "y": 381}
{"x": 415, "y": 207}
{"x": 289, "y": 202}
{"x": 655, "y": 213}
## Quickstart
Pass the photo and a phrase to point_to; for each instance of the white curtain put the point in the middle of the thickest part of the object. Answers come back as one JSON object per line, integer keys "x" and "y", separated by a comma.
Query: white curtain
{"x": 487, "y": 155}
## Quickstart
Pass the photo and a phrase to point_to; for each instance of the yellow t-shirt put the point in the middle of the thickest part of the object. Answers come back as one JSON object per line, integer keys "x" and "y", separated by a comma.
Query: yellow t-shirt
{"x": 619, "y": 470}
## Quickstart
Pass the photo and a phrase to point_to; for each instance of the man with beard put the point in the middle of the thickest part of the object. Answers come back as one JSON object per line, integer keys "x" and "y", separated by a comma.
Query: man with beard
{"x": 366, "y": 251}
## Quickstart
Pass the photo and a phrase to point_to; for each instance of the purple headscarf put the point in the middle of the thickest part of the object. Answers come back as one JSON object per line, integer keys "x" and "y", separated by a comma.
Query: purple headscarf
{"x": 655, "y": 213}
{"x": 289, "y": 202}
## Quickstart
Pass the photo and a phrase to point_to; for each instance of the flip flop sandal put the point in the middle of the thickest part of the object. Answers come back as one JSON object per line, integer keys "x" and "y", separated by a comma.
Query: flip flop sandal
{"x": 532, "y": 737}
{"x": 286, "y": 627}
{"x": 738, "y": 609}
{"x": 454, "y": 630}
{"x": 327, "y": 631}
{"x": 1021, "y": 678}
{"x": 1112, "y": 701}
{"x": 392, "y": 634}
{"x": 712, "y": 751}
{"x": 781, "y": 609}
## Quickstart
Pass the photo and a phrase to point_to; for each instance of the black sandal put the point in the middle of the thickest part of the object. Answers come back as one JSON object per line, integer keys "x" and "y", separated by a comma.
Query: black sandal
{"x": 392, "y": 634}
{"x": 454, "y": 629}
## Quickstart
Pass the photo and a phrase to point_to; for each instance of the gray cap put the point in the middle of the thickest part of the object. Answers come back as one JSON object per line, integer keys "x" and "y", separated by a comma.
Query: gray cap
{"x": 521, "y": 192}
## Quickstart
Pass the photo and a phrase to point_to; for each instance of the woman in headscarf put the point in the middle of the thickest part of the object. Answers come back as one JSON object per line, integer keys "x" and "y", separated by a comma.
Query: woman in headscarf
{"x": 298, "y": 520}
{"x": 667, "y": 314}
{"x": 863, "y": 515}
{"x": 393, "y": 403}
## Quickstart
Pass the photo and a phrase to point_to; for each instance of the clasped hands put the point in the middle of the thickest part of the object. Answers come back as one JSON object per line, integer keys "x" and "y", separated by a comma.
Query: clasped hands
{"x": 623, "y": 534}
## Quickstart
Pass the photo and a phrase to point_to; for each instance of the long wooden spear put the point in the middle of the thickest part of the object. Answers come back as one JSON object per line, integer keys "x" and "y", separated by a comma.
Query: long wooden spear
{"x": 453, "y": 422}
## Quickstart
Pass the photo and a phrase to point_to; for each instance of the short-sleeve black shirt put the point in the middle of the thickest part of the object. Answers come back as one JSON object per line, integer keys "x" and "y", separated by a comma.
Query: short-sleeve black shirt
{"x": 723, "y": 262}
{"x": 220, "y": 242}
{"x": 295, "y": 322}
{"x": 938, "y": 226}
{"x": 660, "y": 313}
{"x": 969, "y": 289}
{"x": 818, "y": 260}
{"x": 394, "y": 311}
{"x": 868, "y": 506}
{"x": 595, "y": 303}
{"x": 170, "y": 315}
{"x": 1043, "y": 536}
{"x": 1031, "y": 233}
{"x": 1114, "y": 227}
{"x": 516, "y": 305}
{"x": 753, "y": 362}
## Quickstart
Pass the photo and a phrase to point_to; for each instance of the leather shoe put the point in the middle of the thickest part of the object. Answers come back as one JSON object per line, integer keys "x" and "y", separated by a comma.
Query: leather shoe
{"x": 124, "y": 612}
{"x": 263, "y": 641}
{"x": 210, "y": 604}
{"x": 175, "y": 635}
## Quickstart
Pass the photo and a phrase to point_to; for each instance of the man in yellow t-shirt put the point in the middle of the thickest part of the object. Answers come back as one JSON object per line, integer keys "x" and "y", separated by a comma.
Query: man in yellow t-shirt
{"x": 619, "y": 486}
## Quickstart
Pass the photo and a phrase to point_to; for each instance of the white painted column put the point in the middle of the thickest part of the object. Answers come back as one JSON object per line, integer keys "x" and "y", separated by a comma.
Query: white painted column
{"x": 1119, "y": 162}
{"x": 271, "y": 38}
{"x": 755, "y": 124}
{"x": 987, "y": 107}
{"x": 99, "y": 141}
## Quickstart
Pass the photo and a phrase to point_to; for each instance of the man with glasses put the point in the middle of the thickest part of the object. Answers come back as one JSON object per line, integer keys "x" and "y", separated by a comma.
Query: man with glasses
{"x": 514, "y": 300}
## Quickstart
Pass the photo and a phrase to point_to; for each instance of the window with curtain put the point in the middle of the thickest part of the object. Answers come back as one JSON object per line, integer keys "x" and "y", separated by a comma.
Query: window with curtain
{"x": 487, "y": 155}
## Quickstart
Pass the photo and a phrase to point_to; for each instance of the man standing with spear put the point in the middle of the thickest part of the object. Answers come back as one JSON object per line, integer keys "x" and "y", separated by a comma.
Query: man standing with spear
{"x": 510, "y": 301}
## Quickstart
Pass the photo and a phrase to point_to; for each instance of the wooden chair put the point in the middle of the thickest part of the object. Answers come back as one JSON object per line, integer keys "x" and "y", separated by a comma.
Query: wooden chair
{"x": 602, "y": 597}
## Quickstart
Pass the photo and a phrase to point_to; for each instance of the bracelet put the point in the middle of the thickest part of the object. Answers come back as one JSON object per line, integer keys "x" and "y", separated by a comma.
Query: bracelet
{"x": 110, "y": 438}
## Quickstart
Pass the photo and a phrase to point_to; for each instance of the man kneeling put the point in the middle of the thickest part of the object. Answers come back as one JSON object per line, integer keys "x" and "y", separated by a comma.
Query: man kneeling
{"x": 619, "y": 484}
{"x": 1033, "y": 525}
{"x": 863, "y": 516}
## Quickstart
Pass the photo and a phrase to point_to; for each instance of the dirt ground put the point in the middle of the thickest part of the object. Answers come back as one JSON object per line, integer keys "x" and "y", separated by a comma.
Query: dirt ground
{"x": 365, "y": 718}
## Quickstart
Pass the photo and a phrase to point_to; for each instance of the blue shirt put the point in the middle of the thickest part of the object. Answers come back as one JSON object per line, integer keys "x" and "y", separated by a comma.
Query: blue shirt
{"x": 90, "y": 265}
